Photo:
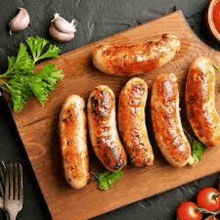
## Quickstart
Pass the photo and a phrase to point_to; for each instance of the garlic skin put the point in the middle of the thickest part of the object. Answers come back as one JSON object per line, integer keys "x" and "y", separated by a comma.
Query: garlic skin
{"x": 60, "y": 36}
{"x": 62, "y": 30}
{"x": 20, "y": 21}
{"x": 63, "y": 25}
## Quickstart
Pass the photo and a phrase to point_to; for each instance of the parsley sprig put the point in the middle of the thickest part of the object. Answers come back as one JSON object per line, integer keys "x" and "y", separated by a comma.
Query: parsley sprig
{"x": 20, "y": 79}
{"x": 198, "y": 149}
{"x": 107, "y": 178}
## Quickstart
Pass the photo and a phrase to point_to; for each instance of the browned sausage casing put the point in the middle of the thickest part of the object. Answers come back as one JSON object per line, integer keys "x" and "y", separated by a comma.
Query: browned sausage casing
{"x": 166, "y": 120}
{"x": 102, "y": 128}
{"x": 200, "y": 106}
{"x": 138, "y": 58}
{"x": 72, "y": 125}
{"x": 131, "y": 121}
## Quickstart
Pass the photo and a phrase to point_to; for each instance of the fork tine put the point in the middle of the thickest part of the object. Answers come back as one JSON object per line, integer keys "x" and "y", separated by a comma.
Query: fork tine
{"x": 2, "y": 178}
{"x": 21, "y": 182}
{"x": 11, "y": 182}
{"x": 16, "y": 183}
{"x": 3, "y": 171}
{"x": 7, "y": 184}
{"x": 1, "y": 188}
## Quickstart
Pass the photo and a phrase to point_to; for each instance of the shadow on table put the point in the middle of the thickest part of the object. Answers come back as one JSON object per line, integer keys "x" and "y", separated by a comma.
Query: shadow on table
{"x": 11, "y": 149}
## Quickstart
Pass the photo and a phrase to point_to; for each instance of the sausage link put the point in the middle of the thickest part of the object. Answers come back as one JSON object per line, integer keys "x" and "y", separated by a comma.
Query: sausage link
{"x": 137, "y": 58}
{"x": 72, "y": 125}
{"x": 102, "y": 129}
{"x": 132, "y": 124}
{"x": 166, "y": 120}
{"x": 200, "y": 106}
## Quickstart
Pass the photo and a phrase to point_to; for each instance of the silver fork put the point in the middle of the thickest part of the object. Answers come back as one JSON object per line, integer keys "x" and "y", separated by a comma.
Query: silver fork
{"x": 14, "y": 190}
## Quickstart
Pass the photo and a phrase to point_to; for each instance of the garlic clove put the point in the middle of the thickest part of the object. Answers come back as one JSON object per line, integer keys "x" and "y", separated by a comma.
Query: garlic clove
{"x": 63, "y": 25}
{"x": 20, "y": 21}
{"x": 60, "y": 36}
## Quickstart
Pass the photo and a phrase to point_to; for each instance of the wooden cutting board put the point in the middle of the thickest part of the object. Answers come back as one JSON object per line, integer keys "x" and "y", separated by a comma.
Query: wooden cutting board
{"x": 38, "y": 128}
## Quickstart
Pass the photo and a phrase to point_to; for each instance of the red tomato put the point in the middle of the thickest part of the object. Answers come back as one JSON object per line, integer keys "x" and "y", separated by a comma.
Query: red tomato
{"x": 186, "y": 211}
{"x": 208, "y": 198}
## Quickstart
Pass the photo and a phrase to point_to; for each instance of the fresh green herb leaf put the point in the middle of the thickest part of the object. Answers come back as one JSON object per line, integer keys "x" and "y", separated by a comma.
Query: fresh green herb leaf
{"x": 107, "y": 178}
{"x": 53, "y": 51}
{"x": 45, "y": 81}
{"x": 20, "y": 91}
{"x": 103, "y": 181}
{"x": 36, "y": 45}
{"x": 115, "y": 177}
{"x": 198, "y": 149}
{"x": 37, "y": 48}
{"x": 21, "y": 63}
{"x": 21, "y": 81}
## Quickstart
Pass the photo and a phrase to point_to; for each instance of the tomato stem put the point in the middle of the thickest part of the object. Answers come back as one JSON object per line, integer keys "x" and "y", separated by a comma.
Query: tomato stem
{"x": 205, "y": 211}
{"x": 215, "y": 196}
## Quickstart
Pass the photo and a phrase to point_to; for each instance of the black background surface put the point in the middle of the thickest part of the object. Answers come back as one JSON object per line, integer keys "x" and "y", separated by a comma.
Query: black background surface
{"x": 96, "y": 19}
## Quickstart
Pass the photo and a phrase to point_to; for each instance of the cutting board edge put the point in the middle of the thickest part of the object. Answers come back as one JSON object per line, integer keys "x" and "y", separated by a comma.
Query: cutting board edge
{"x": 76, "y": 50}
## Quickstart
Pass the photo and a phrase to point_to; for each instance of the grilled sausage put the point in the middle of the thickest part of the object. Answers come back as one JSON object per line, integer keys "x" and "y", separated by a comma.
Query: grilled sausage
{"x": 72, "y": 125}
{"x": 199, "y": 99}
{"x": 131, "y": 121}
{"x": 166, "y": 120}
{"x": 138, "y": 58}
{"x": 102, "y": 129}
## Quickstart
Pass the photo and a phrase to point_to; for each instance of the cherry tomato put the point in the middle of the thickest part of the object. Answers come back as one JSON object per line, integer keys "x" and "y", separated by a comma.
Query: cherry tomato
{"x": 186, "y": 211}
{"x": 208, "y": 198}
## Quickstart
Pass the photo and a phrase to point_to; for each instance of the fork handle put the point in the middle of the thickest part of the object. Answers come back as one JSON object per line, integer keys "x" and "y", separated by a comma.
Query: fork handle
{"x": 12, "y": 216}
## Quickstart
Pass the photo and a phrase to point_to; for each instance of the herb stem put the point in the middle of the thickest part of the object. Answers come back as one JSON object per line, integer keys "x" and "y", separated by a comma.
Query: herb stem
{"x": 188, "y": 135}
{"x": 4, "y": 74}
{"x": 3, "y": 82}
{"x": 35, "y": 60}
{"x": 6, "y": 77}
{"x": 216, "y": 66}
{"x": 94, "y": 174}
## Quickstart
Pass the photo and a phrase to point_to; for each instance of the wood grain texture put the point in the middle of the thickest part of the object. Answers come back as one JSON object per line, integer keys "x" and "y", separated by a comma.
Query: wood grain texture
{"x": 38, "y": 126}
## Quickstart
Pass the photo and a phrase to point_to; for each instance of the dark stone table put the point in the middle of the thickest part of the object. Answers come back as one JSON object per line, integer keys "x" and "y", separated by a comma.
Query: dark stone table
{"x": 96, "y": 19}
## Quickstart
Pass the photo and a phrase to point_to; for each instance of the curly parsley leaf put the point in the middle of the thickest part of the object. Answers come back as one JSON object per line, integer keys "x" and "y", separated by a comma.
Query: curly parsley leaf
{"x": 21, "y": 81}
{"x": 107, "y": 178}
